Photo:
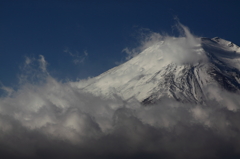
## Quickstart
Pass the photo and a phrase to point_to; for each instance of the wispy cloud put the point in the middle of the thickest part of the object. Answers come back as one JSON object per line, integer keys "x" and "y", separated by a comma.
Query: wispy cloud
{"x": 33, "y": 70}
{"x": 186, "y": 48}
{"x": 77, "y": 58}
{"x": 42, "y": 63}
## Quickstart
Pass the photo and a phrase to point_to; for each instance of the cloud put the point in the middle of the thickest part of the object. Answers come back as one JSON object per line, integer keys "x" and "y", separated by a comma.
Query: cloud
{"x": 183, "y": 49}
{"x": 77, "y": 59}
{"x": 33, "y": 70}
{"x": 130, "y": 53}
{"x": 54, "y": 119}
{"x": 42, "y": 63}
{"x": 7, "y": 90}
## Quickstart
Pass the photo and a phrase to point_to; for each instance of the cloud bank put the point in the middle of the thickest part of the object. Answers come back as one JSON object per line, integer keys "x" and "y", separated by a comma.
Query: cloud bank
{"x": 52, "y": 119}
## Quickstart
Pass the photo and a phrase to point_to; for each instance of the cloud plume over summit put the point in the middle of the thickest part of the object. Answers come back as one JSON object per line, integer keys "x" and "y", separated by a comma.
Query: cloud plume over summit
{"x": 186, "y": 48}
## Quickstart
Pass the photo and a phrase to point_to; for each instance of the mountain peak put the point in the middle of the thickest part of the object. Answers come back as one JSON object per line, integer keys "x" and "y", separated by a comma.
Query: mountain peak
{"x": 178, "y": 68}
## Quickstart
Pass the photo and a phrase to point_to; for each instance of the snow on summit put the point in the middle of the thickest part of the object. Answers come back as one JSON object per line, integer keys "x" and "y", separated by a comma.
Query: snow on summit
{"x": 175, "y": 67}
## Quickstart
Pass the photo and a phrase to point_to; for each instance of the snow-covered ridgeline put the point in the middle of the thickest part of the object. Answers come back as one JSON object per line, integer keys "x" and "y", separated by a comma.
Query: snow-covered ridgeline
{"x": 176, "y": 67}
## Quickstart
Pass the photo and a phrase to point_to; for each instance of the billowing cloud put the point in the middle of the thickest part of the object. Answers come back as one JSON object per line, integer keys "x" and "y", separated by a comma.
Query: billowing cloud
{"x": 183, "y": 49}
{"x": 53, "y": 119}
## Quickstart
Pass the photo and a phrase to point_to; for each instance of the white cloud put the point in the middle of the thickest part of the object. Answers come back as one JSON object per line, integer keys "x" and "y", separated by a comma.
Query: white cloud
{"x": 77, "y": 59}
{"x": 42, "y": 63}
{"x": 56, "y": 112}
{"x": 33, "y": 70}
{"x": 183, "y": 49}
{"x": 54, "y": 119}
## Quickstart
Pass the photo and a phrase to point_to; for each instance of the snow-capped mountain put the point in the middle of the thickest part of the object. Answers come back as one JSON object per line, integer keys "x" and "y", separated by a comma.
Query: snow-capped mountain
{"x": 179, "y": 68}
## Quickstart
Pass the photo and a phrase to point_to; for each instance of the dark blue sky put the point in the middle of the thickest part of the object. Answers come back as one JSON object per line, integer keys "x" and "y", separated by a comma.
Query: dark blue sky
{"x": 100, "y": 28}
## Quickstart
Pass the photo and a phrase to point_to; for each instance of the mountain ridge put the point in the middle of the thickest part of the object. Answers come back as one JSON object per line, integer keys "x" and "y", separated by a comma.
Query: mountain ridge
{"x": 177, "y": 68}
